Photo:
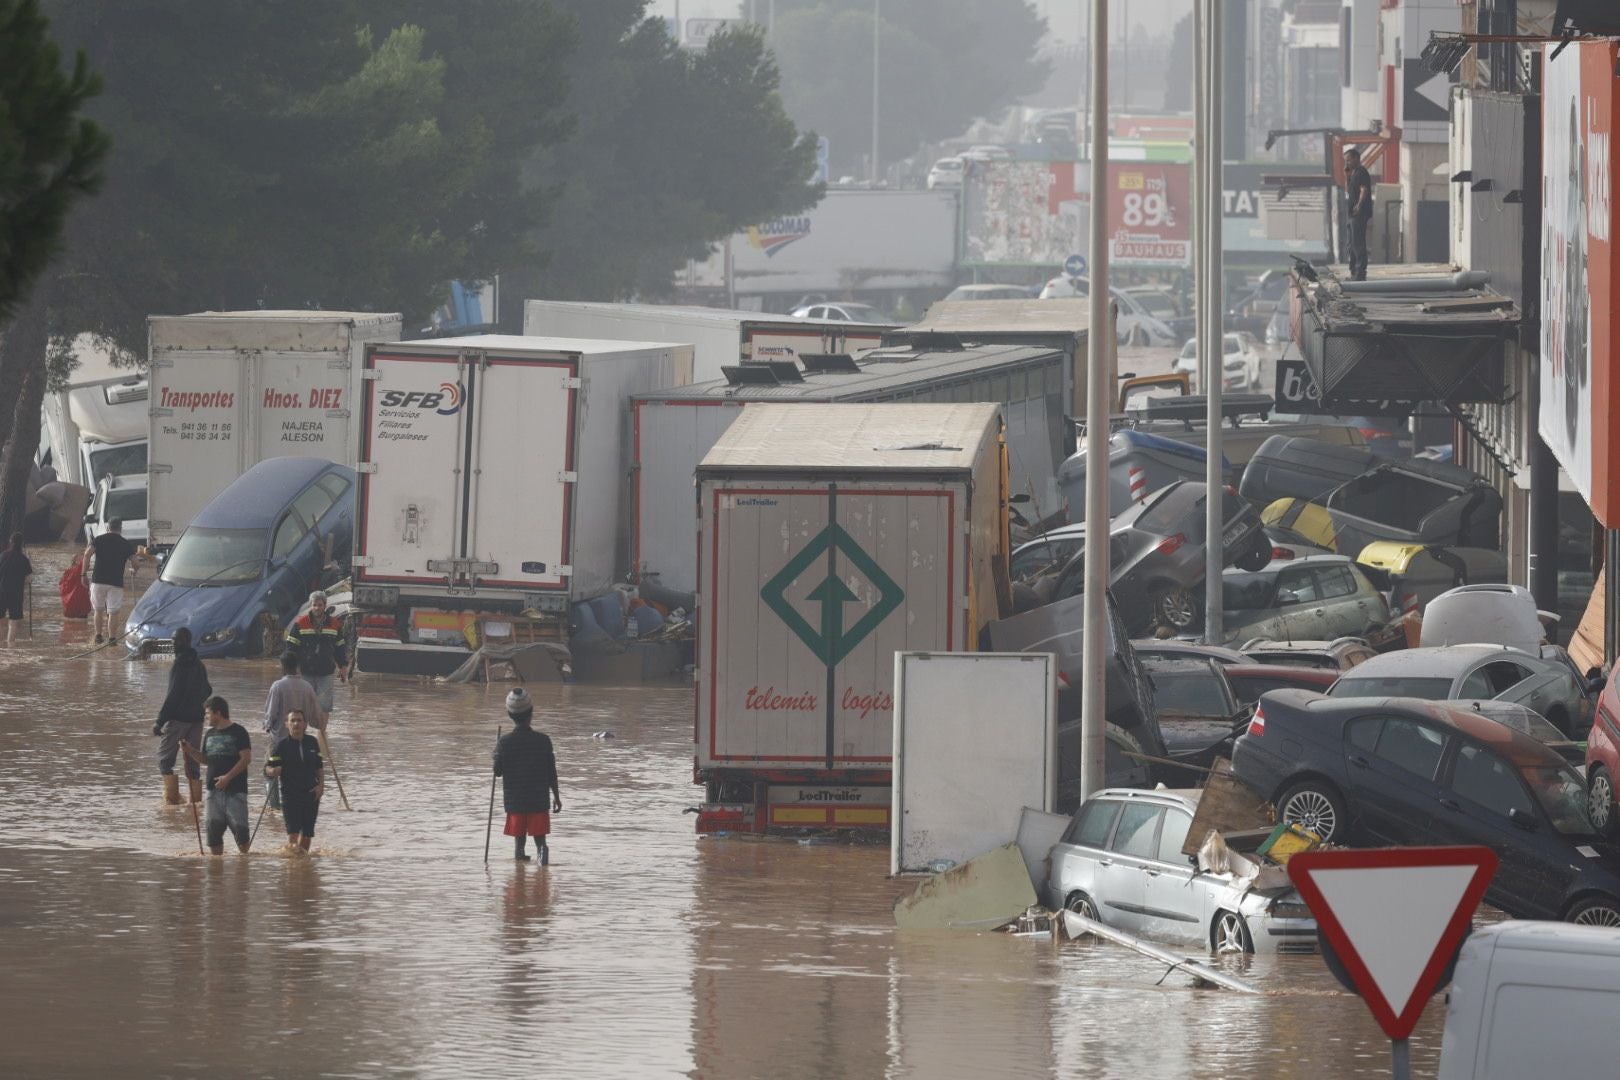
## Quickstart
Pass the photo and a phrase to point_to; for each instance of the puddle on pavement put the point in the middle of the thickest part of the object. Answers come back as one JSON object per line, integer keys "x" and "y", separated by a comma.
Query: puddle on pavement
{"x": 641, "y": 950}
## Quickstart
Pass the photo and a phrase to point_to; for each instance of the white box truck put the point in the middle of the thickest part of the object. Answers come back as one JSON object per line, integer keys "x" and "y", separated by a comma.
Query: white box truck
{"x": 96, "y": 425}
{"x": 493, "y": 479}
{"x": 831, "y": 537}
{"x": 232, "y": 388}
{"x": 720, "y": 337}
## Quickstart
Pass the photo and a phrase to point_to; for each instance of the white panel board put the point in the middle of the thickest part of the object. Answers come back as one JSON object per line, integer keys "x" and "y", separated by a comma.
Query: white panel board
{"x": 974, "y": 744}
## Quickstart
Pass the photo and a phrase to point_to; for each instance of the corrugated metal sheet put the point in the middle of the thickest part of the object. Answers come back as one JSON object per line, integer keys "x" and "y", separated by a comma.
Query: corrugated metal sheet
{"x": 1002, "y": 316}
{"x": 856, "y": 438}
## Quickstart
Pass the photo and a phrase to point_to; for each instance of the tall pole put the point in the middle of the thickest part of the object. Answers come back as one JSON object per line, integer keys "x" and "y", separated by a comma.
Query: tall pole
{"x": 1099, "y": 401}
{"x": 1214, "y": 355}
{"x": 877, "y": 33}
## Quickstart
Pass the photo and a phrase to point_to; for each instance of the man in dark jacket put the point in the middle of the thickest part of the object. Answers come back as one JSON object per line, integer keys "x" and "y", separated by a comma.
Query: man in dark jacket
{"x": 295, "y": 764}
{"x": 528, "y": 770}
{"x": 181, "y": 717}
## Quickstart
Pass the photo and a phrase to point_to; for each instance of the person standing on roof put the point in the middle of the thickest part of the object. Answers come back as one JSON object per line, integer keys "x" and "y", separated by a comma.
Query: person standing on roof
{"x": 317, "y": 638}
{"x": 1358, "y": 194}
{"x": 527, "y": 766}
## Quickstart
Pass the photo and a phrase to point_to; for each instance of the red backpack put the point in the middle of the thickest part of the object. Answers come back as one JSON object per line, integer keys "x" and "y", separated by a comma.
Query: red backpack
{"x": 75, "y": 593}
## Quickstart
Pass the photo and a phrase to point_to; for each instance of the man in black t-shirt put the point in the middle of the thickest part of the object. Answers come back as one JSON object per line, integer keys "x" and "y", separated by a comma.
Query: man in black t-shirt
{"x": 227, "y": 751}
{"x": 112, "y": 553}
{"x": 1358, "y": 194}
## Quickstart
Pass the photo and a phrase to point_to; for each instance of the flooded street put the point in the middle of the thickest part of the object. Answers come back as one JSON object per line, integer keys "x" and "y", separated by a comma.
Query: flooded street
{"x": 642, "y": 950}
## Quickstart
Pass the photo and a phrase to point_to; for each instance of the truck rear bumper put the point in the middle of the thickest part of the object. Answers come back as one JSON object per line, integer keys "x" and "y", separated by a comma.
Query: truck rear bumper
{"x": 776, "y": 807}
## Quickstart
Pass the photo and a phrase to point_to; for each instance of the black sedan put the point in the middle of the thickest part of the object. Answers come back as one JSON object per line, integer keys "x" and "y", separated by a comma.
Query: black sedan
{"x": 1400, "y": 771}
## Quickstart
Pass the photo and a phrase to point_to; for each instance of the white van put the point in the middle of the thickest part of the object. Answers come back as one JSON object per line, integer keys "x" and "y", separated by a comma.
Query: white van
{"x": 1534, "y": 999}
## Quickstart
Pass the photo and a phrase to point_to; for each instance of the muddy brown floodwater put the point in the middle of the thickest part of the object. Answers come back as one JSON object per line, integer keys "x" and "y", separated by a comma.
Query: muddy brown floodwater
{"x": 642, "y": 950}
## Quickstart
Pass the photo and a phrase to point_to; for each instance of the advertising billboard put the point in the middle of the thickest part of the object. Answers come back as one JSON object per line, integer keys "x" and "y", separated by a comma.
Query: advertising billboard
{"x": 1021, "y": 213}
{"x": 1149, "y": 214}
{"x": 1578, "y": 298}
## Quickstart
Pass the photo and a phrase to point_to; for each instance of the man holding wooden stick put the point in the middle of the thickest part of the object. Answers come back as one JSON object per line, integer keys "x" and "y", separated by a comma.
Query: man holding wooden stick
{"x": 527, "y": 766}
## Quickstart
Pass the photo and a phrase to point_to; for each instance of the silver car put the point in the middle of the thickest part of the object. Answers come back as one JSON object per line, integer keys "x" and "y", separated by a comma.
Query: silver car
{"x": 1318, "y": 597}
{"x": 1120, "y": 863}
{"x": 1467, "y": 672}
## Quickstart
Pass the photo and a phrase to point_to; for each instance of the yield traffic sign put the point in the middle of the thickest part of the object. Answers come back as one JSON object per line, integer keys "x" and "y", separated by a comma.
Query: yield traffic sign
{"x": 1394, "y": 916}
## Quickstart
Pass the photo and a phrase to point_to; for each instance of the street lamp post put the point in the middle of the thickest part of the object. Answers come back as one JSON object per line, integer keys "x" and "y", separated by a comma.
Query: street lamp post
{"x": 877, "y": 24}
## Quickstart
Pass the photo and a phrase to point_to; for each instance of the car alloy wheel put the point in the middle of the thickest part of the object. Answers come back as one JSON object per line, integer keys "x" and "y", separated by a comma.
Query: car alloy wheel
{"x": 1231, "y": 934}
{"x": 1311, "y": 808}
{"x": 1600, "y": 800}
{"x": 1599, "y": 912}
{"x": 1178, "y": 608}
{"x": 1081, "y": 905}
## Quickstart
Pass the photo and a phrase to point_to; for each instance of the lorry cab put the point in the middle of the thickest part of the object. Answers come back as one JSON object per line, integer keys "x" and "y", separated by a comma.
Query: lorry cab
{"x": 1533, "y": 998}
{"x": 123, "y": 498}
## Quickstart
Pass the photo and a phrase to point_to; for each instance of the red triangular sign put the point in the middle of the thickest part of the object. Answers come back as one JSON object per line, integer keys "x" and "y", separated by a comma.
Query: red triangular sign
{"x": 1394, "y": 916}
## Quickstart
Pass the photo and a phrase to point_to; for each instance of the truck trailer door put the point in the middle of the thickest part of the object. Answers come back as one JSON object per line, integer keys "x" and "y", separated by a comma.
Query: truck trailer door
{"x": 522, "y": 441}
{"x": 413, "y": 457}
{"x": 302, "y": 406}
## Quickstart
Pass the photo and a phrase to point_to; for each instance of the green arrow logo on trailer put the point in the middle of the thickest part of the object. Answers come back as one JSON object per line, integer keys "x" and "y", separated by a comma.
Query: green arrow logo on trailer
{"x": 832, "y": 641}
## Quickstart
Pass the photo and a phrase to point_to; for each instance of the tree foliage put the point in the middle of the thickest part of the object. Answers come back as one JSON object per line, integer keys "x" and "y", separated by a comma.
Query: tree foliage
{"x": 942, "y": 66}
{"x": 50, "y": 155}
{"x": 673, "y": 150}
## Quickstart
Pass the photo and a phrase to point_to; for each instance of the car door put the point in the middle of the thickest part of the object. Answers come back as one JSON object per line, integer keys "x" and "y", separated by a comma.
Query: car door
{"x": 1075, "y": 858}
{"x": 1123, "y": 871}
{"x": 1393, "y": 777}
{"x": 1483, "y": 800}
{"x": 284, "y": 582}
{"x": 1516, "y": 682}
{"x": 1174, "y": 903}
{"x": 1297, "y": 603}
{"x": 1343, "y": 612}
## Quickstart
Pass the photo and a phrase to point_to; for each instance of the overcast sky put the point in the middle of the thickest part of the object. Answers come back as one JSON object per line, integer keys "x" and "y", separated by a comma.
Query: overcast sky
{"x": 1063, "y": 16}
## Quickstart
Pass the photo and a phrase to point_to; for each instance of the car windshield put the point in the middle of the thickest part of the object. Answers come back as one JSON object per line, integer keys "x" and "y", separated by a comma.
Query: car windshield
{"x": 1232, "y": 346}
{"x": 1562, "y": 794}
{"x": 1189, "y": 351}
{"x": 1247, "y": 592}
{"x": 1418, "y": 686}
{"x": 217, "y": 556}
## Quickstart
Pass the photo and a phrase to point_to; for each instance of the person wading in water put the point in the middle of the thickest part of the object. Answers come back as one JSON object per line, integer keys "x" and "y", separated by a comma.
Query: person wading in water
{"x": 527, "y": 766}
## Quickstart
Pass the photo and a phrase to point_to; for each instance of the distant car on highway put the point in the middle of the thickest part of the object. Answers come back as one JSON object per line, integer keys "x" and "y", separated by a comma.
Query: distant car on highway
{"x": 1240, "y": 361}
{"x": 1120, "y": 863}
{"x": 946, "y": 173}
{"x": 1402, "y": 772}
{"x": 1135, "y": 325}
{"x": 990, "y": 292}
{"x": 988, "y": 152}
{"x": 843, "y": 311}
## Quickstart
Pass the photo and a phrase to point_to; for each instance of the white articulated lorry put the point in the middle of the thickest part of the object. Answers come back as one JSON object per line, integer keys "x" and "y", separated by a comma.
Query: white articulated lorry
{"x": 493, "y": 484}
{"x": 832, "y": 536}
{"x": 232, "y": 388}
{"x": 720, "y": 337}
{"x": 96, "y": 425}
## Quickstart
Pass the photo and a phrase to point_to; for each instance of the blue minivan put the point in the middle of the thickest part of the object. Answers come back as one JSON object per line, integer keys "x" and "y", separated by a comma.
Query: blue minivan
{"x": 248, "y": 561}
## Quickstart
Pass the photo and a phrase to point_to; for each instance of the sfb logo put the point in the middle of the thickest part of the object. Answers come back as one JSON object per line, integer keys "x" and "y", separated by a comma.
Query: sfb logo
{"x": 445, "y": 401}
